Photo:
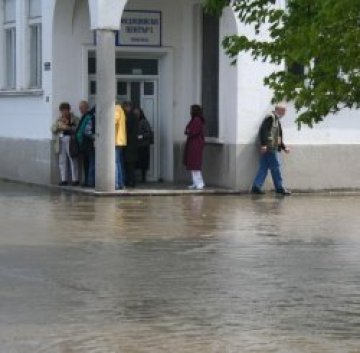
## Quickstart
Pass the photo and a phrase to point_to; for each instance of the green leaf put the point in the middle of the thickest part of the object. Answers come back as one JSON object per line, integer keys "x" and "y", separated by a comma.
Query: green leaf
{"x": 322, "y": 36}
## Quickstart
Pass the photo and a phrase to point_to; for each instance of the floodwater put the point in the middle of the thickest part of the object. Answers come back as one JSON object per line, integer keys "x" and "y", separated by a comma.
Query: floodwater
{"x": 185, "y": 274}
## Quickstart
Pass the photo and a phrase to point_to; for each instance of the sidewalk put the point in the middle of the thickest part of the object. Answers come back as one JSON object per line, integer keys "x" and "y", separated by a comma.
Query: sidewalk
{"x": 178, "y": 189}
{"x": 172, "y": 189}
{"x": 152, "y": 189}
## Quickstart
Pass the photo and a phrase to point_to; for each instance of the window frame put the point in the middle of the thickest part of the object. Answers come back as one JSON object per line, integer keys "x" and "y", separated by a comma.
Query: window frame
{"x": 4, "y": 20}
{"x": 34, "y": 55}
{"x": 9, "y": 56}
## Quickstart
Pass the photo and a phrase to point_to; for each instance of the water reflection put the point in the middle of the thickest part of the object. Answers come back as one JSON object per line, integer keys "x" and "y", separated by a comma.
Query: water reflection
{"x": 178, "y": 274}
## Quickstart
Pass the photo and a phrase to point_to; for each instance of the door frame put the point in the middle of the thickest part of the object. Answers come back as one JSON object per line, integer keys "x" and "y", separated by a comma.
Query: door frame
{"x": 155, "y": 147}
{"x": 166, "y": 101}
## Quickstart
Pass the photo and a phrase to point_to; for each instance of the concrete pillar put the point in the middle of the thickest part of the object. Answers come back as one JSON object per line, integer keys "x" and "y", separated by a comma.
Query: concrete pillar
{"x": 105, "y": 110}
{"x": 105, "y": 16}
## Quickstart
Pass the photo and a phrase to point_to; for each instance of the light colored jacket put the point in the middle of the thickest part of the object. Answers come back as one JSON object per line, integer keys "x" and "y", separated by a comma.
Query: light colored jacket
{"x": 120, "y": 126}
{"x": 58, "y": 127}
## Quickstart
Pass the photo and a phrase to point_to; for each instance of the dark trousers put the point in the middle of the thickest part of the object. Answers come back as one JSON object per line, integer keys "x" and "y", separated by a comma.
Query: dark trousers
{"x": 130, "y": 174}
{"x": 91, "y": 171}
{"x": 143, "y": 160}
{"x": 85, "y": 163}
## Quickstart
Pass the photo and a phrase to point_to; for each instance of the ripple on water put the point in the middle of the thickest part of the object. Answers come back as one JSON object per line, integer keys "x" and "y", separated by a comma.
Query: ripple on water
{"x": 178, "y": 274}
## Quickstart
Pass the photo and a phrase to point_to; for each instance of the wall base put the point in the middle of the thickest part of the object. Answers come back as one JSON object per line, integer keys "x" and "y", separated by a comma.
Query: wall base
{"x": 25, "y": 160}
{"x": 306, "y": 168}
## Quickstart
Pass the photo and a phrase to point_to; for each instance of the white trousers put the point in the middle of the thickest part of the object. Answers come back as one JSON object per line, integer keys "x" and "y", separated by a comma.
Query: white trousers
{"x": 197, "y": 178}
{"x": 65, "y": 158}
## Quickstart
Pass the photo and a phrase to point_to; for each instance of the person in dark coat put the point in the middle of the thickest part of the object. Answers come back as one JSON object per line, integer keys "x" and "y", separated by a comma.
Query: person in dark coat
{"x": 131, "y": 149}
{"x": 85, "y": 146}
{"x": 145, "y": 139}
{"x": 89, "y": 147}
{"x": 193, "y": 153}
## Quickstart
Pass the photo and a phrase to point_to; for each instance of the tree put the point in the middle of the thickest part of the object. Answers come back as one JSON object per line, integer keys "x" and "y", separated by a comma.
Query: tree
{"x": 319, "y": 42}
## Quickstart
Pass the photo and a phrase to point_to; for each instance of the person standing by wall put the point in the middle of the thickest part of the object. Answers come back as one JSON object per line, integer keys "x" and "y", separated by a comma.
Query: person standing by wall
{"x": 120, "y": 143}
{"x": 271, "y": 143}
{"x": 63, "y": 128}
{"x": 193, "y": 153}
{"x": 145, "y": 139}
{"x": 82, "y": 139}
{"x": 131, "y": 149}
{"x": 89, "y": 147}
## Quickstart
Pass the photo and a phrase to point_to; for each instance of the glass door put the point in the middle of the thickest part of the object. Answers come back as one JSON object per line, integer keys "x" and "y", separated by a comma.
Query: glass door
{"x": 136, "y": 81}
{"x": 143, "y": 93}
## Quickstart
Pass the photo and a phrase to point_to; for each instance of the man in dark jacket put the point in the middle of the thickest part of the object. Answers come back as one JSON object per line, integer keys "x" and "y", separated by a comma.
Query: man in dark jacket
{"x": 271, "y": 141}
{"x": 85, "y": 142}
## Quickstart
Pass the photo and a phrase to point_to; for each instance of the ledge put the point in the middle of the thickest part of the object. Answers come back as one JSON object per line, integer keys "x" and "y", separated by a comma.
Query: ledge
{"x": 214, "y": 141}
{"x": 176, "y": 189}
{"x": 21, "y": 93}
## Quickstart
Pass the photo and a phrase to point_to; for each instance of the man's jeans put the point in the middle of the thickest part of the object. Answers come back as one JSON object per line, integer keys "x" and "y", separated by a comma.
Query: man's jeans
{"x": 269, "y": 160}
{"x": 119, "y": 169}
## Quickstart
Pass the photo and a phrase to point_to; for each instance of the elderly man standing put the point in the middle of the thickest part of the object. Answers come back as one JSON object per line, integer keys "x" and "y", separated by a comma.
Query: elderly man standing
{"x": 271, "y": 141}
{"x": 85, "y": 142}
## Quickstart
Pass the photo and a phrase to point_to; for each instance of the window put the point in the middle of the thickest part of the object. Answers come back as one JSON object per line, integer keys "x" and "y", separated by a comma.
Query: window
{"x": 121, "y": 88}
{"x": 149, "y": 88}
{"x": 10, "y": 49}
{"x": 35, "y": 40}
{"x": 92, "y": 88}
{"x": 34, "y": 8}
{"x": 91, "y": 65}
{"x": 35, "y": 56}
{"x": 9, "y": 11}
{"x": 210, "y": 74}
{"x": 9, "y": 28}
{"x": 136, "y": 66}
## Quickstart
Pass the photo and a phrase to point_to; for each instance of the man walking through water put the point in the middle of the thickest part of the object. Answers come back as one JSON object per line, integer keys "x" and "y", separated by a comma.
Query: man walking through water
{"x": 271, "y": 141}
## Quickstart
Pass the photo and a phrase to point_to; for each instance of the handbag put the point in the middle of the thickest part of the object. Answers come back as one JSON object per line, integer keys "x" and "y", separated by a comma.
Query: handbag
{"x": 74, "y": 147}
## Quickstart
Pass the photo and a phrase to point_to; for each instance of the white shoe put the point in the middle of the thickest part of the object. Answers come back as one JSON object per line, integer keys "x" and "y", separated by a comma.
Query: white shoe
{"x": 199, "y": 187}
{"x": 191, "y": 187}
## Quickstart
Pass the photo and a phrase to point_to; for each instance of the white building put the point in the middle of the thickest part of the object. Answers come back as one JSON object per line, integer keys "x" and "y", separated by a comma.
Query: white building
{"x": 166, "y": 57}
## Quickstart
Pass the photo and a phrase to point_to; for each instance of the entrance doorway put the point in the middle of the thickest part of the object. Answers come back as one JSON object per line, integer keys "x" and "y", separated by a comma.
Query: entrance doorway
{"x": 144, "y": 94}
{"x": 136, "y": 81}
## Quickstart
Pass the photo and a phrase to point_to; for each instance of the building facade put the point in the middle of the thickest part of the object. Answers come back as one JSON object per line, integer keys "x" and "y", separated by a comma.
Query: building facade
{"x": 164, "y": 55}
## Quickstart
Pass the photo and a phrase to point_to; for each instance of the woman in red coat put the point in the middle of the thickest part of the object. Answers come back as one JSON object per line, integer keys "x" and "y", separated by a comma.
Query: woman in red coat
{"x": 194, "y": 147}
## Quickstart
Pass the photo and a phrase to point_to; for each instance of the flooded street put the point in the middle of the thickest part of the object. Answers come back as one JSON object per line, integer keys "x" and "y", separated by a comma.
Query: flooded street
{"x": 185, "y": 274}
